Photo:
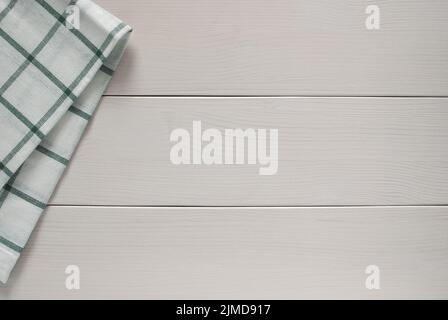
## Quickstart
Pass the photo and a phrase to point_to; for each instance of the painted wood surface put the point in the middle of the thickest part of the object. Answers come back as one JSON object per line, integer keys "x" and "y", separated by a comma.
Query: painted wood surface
{"x": 283, "y": 47}
{"x": 247, "y": 253}
{"x": 353, "y": 151}
{"x": 363, "y": 170}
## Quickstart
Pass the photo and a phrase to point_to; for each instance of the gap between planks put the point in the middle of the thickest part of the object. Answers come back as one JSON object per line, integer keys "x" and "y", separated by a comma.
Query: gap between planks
{"x": 271, "y": 96}
{"x": 243, "y": 207}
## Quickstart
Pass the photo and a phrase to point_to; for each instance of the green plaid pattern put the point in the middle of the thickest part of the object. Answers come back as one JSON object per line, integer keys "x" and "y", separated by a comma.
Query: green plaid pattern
{"x": 51, "y": 80}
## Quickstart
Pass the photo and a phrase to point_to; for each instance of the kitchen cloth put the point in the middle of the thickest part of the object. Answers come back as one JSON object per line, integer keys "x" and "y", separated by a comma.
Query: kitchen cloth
{"x": 56, "y": 59}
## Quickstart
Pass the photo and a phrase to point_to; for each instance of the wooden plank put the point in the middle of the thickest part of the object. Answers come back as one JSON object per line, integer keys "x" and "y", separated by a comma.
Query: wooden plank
{"x": 218, "y": 253}
{"x": 338, "y": 151}
{"x": 283, "y": 47}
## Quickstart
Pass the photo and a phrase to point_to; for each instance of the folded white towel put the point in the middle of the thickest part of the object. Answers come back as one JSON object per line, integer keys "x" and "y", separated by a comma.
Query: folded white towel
{"x": 53, "y": 74}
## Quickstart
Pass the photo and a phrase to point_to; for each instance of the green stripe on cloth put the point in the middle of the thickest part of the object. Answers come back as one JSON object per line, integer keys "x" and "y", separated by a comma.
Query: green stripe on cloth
{"x": 17, "y": 148}
{"x": 43, "y": 117}
{"x": 18, "y": 72}
{"x": 5, "y": 192}
{"x": 21, "y": 117}
{"x": 104, "y": 46}
{"x": 76, "y": 32}
{"x": 107, "y": 70}
{"x": 31, "y": 58}
{"x": 10, "y": 245}
{"x": 27, "y": 62}
{"x": 3, "y": 195}
{"x": 5, "y": 169}
{"x": 80, "y": 113}
{"x": 63, "y": 97}
{"x": 25, "y": 197}
{"x": 52, "y": 155}
{"x": 8, "y": 8}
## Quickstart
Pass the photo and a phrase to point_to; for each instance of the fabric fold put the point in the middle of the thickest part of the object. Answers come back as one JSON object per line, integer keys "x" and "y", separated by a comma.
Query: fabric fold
{"x": 53, "y": 77}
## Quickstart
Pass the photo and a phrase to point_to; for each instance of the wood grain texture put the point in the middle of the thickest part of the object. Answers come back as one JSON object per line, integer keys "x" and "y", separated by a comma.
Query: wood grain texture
{"x": 344, "y": 151}
{"x": 256, "y": 253}
{"x": 283, "y": 47}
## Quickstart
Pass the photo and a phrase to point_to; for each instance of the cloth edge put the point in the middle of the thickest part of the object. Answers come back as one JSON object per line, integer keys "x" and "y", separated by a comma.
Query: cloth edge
{"x": 8, "y": 260}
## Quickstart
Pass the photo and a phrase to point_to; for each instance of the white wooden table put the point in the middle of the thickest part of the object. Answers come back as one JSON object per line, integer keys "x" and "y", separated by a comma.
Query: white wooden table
{"x": 363, "y": 158}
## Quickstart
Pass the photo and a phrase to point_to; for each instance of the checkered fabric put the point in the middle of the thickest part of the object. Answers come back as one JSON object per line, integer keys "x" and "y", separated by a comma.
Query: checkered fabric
{"x": 52, "y": 77}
